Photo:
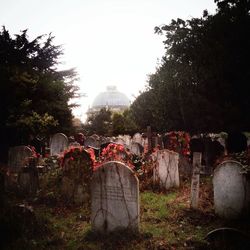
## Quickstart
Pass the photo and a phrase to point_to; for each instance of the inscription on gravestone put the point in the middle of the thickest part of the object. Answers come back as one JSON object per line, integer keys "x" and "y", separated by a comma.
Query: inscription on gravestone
{"x": 114, "y": 198}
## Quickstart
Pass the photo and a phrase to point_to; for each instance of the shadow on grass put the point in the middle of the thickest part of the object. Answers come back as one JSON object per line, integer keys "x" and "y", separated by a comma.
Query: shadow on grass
{"x": 118, "y": 239}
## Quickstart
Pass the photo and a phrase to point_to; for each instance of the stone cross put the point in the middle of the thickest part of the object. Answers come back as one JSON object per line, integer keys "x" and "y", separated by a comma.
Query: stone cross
{"x": 114, "y": 198}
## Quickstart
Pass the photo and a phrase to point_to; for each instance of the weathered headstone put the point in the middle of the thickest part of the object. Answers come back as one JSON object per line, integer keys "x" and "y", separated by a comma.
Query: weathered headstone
{"x": 127, "y": 139}
{"x": 149, "y": 136}
{"x": 137, "y": 138}
{"x": 231, "y": 190}
{"x": 91, "y": 142}
{"x": 77, "y": 171}
{"x": 18, "y": 157}
{"x": 136, "y": 148}
{"x": 58, "y": 143}
{"x": 120, "y": 141}
{"x": 166, "y": 171}
{"x": 195, "y": 183}
{"x": 114, "y": 198}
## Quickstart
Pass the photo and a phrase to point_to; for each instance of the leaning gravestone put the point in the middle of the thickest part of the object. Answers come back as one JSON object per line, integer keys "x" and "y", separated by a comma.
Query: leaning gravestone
{"x": 58, "y": 143}
{"x": 114, "y": 198}
{"x": 18, "y": 157}
{"x": 166, "y": 171}
{"x": 231, "y": 190}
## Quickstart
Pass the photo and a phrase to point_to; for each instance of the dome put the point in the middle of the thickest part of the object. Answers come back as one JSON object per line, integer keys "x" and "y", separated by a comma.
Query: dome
{"x": 111, "y": 98}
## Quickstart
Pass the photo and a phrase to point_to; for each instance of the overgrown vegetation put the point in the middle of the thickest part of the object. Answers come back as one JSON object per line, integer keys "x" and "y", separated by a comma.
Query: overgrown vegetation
{"x": 166, "y": 222}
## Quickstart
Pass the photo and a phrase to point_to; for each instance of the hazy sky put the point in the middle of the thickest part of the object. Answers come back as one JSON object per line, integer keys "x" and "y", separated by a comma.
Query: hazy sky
{"x": 109, "y": 42}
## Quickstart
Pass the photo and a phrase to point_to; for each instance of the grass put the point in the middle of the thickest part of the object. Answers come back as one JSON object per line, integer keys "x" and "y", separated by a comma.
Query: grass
{"x": 166, "y": 222}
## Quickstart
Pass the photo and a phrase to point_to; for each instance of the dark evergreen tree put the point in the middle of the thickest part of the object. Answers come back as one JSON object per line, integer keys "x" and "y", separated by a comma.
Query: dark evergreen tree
{"x": 34, "y": 93}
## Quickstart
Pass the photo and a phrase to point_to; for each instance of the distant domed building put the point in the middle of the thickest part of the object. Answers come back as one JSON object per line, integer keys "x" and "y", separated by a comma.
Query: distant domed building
{"x": 111, "y": 99}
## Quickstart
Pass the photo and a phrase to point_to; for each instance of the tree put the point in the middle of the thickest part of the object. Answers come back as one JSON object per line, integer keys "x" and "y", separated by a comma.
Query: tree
{"x": 202, "y": 82}
{"x": 99, "y": 123}
{"x": 34, "y": 93}
{"x": 123, "y": 123}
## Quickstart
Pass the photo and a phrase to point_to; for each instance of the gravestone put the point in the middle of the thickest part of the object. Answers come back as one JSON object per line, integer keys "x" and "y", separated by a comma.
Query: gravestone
{"x": 231, "y": 190}
{"x": 136, "y": 148}
{"x": 18, "y": 157}
{"x": 120, "y": 141}
{"x": 137, "y": 138}
{"x": 195, "y": 183}
{"x": 77, "y": 171}
{"x": 127, "y": 139}
{"x": 114, "y": 198}
{"x": 91, "y": 142}
{"x": 58, "y": 143}
{"x": 166, "y": 171}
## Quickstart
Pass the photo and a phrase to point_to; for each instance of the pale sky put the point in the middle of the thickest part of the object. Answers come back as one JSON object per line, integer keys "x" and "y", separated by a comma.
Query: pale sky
{"x": 109, "y": 42}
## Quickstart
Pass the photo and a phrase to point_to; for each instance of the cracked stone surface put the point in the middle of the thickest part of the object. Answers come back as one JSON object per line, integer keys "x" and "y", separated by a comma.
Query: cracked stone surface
{"x": 166, "y": 171}
{"x": 114, "y": 198}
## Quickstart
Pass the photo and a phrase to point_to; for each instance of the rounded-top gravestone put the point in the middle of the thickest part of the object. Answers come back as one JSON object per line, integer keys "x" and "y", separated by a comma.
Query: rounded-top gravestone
{"x": 58, "y": 143}
{"x": 231, "y": 190}
{"x": 114, "y": 198}
{"x": 18, "y": 156}
{"x": 166, "y": 171}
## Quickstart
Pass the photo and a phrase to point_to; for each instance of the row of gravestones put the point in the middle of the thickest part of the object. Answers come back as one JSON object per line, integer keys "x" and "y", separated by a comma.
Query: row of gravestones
{"x": 115, "y": 192}
{"x": 231, "y": 187}
{"x": 59, "y": 142}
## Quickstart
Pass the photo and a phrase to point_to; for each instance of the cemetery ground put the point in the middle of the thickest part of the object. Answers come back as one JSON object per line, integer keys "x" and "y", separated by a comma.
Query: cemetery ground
{"x": 166, "y": 221}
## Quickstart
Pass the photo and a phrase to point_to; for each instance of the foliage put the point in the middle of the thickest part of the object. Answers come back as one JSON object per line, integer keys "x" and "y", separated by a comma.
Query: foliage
{"x": 34, "y": 93}
{"x": 115, "y": 152}
{"x": 178, "y": 141}
{"x": 202, "y": 81}
{"x": 99, "y": 123}
{"x": 77, "y": 163}
{"x": 107, "y": 123}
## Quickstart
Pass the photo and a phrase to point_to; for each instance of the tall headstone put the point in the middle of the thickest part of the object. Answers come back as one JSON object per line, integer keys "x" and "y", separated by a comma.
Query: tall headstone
{"x": 114, "y": 198}
{"x": 58, "y": 143}
{"x": 127, "y": 139}
{"x": 136, "y": 148}
{"x": 231, "y": 190}
{"x": 166, "y": 171}
{"x": 149, "y": 136}
{"x": 195, "y": 183}
{"x": 137, "y": 138}
{"x": 18, "y": 157}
